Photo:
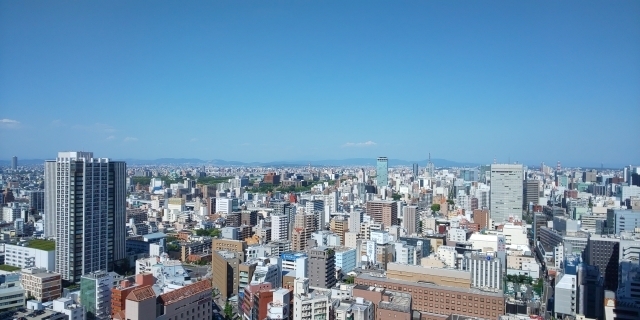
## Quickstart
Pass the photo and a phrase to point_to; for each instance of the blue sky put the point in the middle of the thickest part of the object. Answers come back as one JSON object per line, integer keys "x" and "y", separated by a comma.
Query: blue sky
{"x": 278, "y": 80}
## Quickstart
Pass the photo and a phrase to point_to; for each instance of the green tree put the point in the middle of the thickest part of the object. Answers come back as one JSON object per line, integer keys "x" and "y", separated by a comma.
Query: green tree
{"x": 435, "y": 207}
{"x": 538, "y": 286}
{"x": 349, "y": 280}
{"x": 202, "y": 232}
{"x": 396, "y": 197}
{"x": 228, "y": 311}
{"x": 215, "y": 233}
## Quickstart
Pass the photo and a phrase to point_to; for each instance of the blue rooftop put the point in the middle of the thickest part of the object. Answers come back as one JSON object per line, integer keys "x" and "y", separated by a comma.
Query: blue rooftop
{"x": 153, "y": 236}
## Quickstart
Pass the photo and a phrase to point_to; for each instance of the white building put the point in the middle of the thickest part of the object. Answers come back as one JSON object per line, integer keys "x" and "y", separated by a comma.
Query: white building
{"x": 279, "y": 307}
{"x": 310, "y": 305}
{"x": 565, "y": 296}
{"x": 484, "y": 242}
{"x": 98, "y": 225}
{"x": 11, "y": 212}
{"x": 268, "y": 270}
{"x": 506, "y": 192}
{"x": 280, "y": 227}
{"x": 26, "y": 256}
{"x": 447, "y": 254}
{"x": 457, "y": 235}
{"x": 67, "y": 306}
{"x": 224, "y": 205}
{"x": 486, "y": 271}
{"x": 95, "y": 294}
{"x": 380, "y": 237}
{"x": 515, "y": 235}
{"x": 406, "y": 254}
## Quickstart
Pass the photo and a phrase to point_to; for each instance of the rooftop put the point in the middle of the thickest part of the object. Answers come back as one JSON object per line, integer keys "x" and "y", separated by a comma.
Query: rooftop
{"x": 185, "y": 292}
{"x": 153, "y": 236}
{"x": 40, "y": 244}
{"x": 142, "y": 293}
{"x": 6, "y": 267}
{"x": 374, "y": 278}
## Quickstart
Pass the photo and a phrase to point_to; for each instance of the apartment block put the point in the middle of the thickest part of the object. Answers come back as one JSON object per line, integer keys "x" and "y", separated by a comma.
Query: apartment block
{"x": 383, "y": 211}
{"x": 322, "y": 267}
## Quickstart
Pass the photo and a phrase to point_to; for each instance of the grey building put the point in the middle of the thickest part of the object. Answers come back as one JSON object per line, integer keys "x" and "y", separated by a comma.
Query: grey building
{"x": 14, "y": 163}
{"x": 36, "y": 200}
{"x": 590, "y": 292}
{"x": 86, "y": 212}
{"x": 531, "y": 192}
{"x": 322, "y": 267}
{"x": 604, "y": 253}
{"x": 506, "y": 192}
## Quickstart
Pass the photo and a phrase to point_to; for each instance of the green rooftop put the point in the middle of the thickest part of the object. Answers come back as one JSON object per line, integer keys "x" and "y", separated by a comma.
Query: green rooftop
{"x": 45, "y": 245}
{"x": 6, "y": 267}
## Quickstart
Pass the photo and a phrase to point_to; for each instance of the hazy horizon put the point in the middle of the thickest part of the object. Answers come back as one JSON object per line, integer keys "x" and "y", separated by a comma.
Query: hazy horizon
{"x": 268, "y": 81}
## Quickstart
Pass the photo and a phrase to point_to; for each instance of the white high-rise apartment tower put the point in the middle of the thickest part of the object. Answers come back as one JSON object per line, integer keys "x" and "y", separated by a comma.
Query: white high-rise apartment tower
{"x": 506, "y": 192}
{"x": 85, "y": 204}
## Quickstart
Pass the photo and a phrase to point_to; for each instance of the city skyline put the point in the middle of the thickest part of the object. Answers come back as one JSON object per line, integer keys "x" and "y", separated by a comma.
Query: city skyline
{"x": 291, "y": 81}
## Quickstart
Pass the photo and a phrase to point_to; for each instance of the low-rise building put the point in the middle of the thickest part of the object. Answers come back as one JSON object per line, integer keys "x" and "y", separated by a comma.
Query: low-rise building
{"x": 11, "y": 292}
{"x": 31, "y": 254}
{"x": 40, "y": 284}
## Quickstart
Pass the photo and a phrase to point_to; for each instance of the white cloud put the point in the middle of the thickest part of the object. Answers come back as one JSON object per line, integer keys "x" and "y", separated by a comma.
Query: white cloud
{"x": 9, "y": 123}
{"x": 111, "y": 137}
{"x": 194, "y": 139}
{"x": 97, "y": 127}
{"x": 360, "y": 144}
{"x": 130, "y": 139}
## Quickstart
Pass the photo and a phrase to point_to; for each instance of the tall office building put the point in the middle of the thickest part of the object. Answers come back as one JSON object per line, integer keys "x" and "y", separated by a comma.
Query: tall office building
{"x": 604, "y": 253}
{"x": 415, "y": 170}
{"x": 36, "y": 200}
{"x": 531, "y": 192}
{"x": 85, "y": 212}
{"x": 383, "y": 211}
{"x": 410, "y": 221}
{"x": 382, "y": 172}
{"x": 506, "y": 192}
{"x": 14, "y": 163}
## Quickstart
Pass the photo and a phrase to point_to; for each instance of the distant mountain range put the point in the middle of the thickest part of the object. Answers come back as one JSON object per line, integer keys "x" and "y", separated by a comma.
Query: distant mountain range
{"x": 219, "y": 162}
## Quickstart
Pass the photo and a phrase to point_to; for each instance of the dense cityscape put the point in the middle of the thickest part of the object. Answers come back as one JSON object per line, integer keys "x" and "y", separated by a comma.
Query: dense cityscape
{"x": 85, "y": 237}
{"x": 319, "y": 160}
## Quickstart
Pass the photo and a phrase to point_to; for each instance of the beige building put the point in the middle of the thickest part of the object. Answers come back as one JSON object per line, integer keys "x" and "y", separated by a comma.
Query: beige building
{"x": 226, "y": 274}
{"x": 442, "y": 277}
{"x": 339, "y": 225}
{"x": 515, "y": 262}
{"x": 351, "y": 239}
{"x": 238, "y": 246}
{"x": 304, "y": 225}
{"x": 42, "y": 285}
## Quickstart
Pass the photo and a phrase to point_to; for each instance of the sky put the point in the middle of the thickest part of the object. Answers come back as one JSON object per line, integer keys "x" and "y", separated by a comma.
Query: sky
{"x": 467, "y": 81}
